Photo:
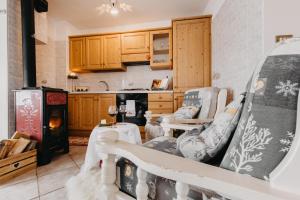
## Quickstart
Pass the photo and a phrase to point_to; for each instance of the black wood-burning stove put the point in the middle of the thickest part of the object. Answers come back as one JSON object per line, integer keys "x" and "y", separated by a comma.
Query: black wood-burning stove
{"x": 43, "y": 114}
{"x": 40, "y": 112}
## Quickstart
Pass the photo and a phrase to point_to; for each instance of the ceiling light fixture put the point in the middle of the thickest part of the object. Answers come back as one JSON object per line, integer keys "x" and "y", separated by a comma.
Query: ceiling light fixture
{"x": 114, "y": 7}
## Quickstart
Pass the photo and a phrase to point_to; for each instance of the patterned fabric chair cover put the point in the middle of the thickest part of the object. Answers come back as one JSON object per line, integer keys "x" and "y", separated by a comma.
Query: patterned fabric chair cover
{"x": 206, "y": 98}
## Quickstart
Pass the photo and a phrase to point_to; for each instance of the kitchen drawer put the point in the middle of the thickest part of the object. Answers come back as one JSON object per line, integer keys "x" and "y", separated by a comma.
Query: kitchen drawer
{"x": 160, "y": 105}
{"x": 162, "y": 111}
{"x": 160, "y": 97}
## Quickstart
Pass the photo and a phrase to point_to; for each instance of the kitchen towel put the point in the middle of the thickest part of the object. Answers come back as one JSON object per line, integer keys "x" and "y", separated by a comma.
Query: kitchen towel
{"x": 130, "y": 108}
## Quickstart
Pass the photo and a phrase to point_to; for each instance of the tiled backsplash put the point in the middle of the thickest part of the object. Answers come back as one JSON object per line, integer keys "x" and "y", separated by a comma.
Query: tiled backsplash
{"x": 135, "y": 77}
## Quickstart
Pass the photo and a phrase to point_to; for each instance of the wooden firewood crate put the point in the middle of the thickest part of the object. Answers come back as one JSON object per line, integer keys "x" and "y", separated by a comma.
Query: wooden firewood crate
{"x": 17, "y": 165}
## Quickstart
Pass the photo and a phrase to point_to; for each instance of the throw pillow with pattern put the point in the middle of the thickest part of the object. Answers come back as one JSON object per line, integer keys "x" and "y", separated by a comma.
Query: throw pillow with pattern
{"x": 202, "y": 146}
{"x": 268, "y": 122}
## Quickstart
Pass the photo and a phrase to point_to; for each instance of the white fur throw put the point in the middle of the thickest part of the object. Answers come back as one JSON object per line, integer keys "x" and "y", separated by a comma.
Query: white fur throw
{"x": 84, "y": 186}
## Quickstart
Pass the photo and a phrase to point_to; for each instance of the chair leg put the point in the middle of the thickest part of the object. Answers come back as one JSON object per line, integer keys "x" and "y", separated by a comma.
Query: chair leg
{"x": 108, "y": 177}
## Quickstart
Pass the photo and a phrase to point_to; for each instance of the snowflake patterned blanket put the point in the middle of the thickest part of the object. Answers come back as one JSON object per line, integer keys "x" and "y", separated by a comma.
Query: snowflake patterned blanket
{"x": 268, "y": 122}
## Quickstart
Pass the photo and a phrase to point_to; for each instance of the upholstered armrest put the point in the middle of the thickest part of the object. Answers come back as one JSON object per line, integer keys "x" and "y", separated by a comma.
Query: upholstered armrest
{"x": 170, "y": 124}
{"x": 149, "y": 115}
{"x": 191, "y": 121}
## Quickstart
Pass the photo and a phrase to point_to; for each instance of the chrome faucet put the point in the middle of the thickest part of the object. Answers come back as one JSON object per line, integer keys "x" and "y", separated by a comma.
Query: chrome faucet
{"x": 106, "y": 85}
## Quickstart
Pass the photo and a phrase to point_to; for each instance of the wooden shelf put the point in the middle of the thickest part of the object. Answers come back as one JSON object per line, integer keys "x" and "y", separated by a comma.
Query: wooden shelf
{"x": 161, "y": 51}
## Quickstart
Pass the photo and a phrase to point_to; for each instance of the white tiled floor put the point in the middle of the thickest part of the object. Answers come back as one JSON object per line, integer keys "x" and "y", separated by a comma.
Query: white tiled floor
{"x": 47, "y": 182}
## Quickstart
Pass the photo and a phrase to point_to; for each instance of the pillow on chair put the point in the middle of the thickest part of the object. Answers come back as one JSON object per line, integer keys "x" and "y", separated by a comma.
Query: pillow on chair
{"x": 187, "y": 112}
{"x": 268, "y": 122}
{"x": 202, "y": 146}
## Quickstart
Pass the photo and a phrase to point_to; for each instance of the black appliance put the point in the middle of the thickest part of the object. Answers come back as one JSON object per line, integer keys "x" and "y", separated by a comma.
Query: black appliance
{"x": 141, "y": 106}
{"x": 42, "y": 113}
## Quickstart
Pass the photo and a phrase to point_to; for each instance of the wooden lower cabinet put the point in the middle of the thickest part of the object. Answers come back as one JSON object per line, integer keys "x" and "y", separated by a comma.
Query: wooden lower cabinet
{"x": 87, "y": 110}
{"x": 105, "y": 101}
{"x": 72, "y": 112}
{"x": 178, "y": 100}
{"x": 160, "y": 103}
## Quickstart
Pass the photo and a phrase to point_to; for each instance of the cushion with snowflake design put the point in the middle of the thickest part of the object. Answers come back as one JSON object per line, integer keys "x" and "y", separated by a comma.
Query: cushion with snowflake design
{"x": 268, "y": 121}
{"x": 202, "y": 146}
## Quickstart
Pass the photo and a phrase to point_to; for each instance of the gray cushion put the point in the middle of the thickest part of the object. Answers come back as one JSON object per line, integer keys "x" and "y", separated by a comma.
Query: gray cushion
{"x": 186, "y": 112}
{"x": 206, "y": 98}
{"x": 268, "y": 120}
{"x": 202, "y": 146}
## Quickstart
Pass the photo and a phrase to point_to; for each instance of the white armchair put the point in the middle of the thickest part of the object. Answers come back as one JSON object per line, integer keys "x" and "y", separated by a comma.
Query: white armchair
{"x": 212, "y": 101}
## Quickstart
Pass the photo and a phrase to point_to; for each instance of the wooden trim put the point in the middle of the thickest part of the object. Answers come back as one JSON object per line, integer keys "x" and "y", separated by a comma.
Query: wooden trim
{"x": 191, "y": 18}
{"x": 120, "y": 32}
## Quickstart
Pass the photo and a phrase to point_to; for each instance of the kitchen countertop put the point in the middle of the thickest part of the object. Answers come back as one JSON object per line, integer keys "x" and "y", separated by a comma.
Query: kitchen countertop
{"x": 122, "y": 92}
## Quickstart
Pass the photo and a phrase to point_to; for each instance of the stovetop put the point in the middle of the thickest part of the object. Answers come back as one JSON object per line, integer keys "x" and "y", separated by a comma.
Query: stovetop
{"x": 134, "y": 89}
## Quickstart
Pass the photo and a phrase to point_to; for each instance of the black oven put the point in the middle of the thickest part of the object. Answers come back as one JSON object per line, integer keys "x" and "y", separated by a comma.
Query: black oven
{"x": 141, "y": 106}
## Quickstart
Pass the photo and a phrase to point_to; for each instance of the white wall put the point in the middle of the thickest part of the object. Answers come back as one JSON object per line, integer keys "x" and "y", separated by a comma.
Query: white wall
{"x": 4, "y": 71}
{"x": 213, "y": 7}
{"x": 237, "y": 41}
{"x": 280, "y": 18}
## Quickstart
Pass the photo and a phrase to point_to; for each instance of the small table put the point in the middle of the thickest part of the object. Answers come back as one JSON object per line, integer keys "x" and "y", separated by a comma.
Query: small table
{"x": 127, "y": 132}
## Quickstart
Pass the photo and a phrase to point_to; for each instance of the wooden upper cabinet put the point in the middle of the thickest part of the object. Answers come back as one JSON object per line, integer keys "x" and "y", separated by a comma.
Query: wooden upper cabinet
{"x": 161, "y": 49}
{"x": 77, "y": 53}
{"x": 112, "y": 52}
{"x": 94, "y": 52}
{"x": 135, "y": 43}
{"x": 192, "y": 54}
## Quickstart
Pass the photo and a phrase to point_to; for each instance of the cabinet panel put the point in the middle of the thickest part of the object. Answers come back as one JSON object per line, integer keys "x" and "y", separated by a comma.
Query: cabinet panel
{"x": 94, "y": 52}
{"x": 178, "y": 100}
{"x": 135, "y": 57}
{"x": 72, "y": 112}
{"x": 77, "y": 54}
{"x": 112, "y": 52}
{"x": 160, "y": 97}
{"x": 191, "y": 40}
{"x": 160, "y": 105}
{"x": 135, "y": 43}
{"x": 86, "y": 112}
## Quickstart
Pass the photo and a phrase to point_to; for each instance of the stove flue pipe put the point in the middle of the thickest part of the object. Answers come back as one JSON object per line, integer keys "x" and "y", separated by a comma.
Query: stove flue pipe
{"x": 28, "y": 43}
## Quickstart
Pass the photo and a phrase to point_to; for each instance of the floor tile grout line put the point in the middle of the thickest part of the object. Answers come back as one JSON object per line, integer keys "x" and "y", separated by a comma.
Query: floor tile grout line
{"x": 38, "y": 185}
{"x": 54, "y": 172}
{"x": 75, "y": 162}
{"x": 13, "y": 184}
{"x": 51, "y": 191}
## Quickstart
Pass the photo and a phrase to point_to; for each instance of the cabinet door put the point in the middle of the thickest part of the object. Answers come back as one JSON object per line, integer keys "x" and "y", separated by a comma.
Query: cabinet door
{"x": 94, "y": 52}
{"x": 191, "y": 51}
{"x": 106, "y": 100}
{"x": 178, "y": 100}
{"x": 135, "y": 43}
{"x": 161, "y": 49}
{"x": 77, "y": 54}
{"x": 86, "y": 112}
{"x": 112, "y": 52}
{"x": 72, "y": 112}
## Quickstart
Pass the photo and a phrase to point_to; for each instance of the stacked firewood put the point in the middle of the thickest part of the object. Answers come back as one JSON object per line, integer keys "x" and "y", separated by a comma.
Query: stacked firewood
{"x": 18, "y": 143}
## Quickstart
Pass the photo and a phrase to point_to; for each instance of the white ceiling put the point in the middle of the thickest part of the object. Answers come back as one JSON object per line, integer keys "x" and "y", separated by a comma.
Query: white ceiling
{"x": 83, "y": 14}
